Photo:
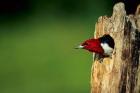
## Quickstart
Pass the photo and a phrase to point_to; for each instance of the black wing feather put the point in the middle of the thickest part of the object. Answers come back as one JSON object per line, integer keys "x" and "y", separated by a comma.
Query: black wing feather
{"x": 107, "y": 39}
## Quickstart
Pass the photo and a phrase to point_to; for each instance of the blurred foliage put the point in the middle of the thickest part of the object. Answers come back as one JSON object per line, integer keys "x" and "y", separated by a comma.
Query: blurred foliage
{"x": 37, "y": 40}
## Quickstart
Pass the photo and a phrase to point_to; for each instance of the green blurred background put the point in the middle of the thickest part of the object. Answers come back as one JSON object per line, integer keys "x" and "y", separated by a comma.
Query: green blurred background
{"x": 37, "y": 40}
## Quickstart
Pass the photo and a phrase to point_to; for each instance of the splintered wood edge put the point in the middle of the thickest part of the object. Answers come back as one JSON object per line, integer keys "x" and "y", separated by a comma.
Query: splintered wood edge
{"x": 138, "y": 10}
{"x": 118, "y": 9}
{"x": 118, "y": 13}
{"x": 118, "y": 16}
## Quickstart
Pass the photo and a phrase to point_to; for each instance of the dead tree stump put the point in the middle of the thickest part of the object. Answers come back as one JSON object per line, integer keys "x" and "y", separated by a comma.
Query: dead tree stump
{"x": 121, "y": 73}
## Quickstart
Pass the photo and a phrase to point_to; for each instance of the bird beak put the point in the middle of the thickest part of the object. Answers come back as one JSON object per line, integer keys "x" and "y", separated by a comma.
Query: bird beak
{"x": 79, "y": 47}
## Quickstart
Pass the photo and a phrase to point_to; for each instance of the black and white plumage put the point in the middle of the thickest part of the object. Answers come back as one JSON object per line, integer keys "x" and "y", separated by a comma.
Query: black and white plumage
{"x": 107, "y": 43}
{"x": 102, "y": 46}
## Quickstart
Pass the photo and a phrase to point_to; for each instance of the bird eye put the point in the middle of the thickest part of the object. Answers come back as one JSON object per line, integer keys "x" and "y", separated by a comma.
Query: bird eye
{"x": 84, "y": 44}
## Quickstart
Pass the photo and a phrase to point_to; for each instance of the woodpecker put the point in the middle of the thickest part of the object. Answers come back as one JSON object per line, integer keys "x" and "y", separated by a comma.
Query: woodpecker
{"x": 102, "y": 46}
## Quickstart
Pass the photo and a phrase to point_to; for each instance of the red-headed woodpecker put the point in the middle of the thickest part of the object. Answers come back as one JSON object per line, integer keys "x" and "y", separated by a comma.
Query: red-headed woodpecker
{"x": 102, "y": 46}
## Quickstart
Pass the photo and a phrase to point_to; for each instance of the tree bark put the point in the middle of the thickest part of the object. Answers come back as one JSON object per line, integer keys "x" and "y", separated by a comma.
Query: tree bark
{"x": 121, "y": 73}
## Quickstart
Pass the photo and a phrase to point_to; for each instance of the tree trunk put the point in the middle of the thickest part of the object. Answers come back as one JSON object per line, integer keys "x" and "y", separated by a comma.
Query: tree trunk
{"x": 121, "y": 73}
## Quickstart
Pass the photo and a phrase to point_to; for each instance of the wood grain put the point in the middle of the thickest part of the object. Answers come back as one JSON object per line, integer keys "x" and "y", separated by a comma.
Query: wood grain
{"x": 121, "y": 73}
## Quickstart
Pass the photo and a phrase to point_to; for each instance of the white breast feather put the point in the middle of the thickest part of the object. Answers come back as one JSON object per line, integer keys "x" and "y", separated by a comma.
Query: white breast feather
{"x": 107, "y": 50}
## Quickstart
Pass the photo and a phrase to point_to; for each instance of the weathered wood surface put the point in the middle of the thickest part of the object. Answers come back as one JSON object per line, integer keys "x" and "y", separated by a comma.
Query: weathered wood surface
{"x": 121, "y": 74}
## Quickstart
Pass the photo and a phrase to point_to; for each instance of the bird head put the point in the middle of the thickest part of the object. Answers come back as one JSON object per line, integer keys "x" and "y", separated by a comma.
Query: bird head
{"x": 103, "y": 45}
{"x": 90, "y": 45}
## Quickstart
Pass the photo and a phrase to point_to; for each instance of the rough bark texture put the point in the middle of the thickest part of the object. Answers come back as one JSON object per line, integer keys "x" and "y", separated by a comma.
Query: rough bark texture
{"x": 121, "y": 73}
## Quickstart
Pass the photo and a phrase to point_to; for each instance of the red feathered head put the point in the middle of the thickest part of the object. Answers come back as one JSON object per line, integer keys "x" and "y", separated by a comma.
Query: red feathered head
{"x": 92, "y": 45}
